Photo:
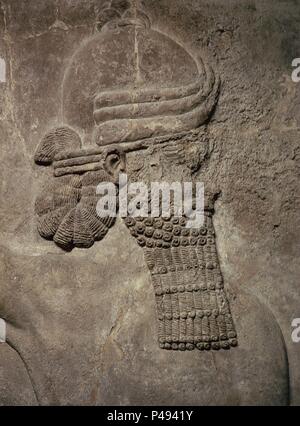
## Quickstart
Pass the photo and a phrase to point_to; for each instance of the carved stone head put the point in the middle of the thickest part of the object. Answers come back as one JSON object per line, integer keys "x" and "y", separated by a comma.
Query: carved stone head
{"x": 133, "y": 91}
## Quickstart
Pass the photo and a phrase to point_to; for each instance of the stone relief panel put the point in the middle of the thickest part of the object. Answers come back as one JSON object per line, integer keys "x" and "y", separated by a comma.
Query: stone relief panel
{"x": 134, "y": 310}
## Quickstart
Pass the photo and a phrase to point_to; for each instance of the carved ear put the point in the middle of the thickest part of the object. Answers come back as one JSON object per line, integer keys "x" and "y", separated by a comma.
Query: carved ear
{"x": 115, "y": 162}
{"x": 55, "y": 141}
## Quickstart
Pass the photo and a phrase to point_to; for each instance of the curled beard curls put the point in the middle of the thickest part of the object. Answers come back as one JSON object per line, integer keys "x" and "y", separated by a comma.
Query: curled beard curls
{"x": 193, "y": 310}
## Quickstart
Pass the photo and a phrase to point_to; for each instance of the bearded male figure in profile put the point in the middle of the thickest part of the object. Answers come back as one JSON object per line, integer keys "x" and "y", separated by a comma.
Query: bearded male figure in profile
{"x": 136, "y": 101}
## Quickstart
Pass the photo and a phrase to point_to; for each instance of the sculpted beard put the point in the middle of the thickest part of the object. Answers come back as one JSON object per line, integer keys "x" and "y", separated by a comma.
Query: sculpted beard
{"x": 192, "y": 307}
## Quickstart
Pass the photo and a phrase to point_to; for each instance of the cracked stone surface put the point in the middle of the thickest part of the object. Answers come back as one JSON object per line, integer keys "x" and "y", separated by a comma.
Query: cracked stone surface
{"x": 81, "y": 325}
